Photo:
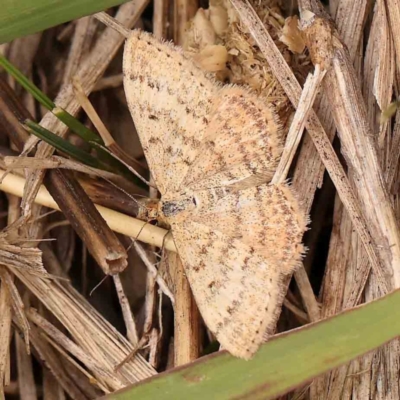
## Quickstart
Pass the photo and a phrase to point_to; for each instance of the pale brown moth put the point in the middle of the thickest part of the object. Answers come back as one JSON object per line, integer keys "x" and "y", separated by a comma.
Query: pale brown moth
{"x": 212, "y": 151}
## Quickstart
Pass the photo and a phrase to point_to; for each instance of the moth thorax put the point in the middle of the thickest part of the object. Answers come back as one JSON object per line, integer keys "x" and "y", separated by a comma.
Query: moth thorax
{"x": 171, "y": 208}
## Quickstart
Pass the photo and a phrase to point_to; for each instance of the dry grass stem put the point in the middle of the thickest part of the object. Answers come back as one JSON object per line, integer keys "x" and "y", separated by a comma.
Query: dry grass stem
{"x": 149, "y": 303}
{"x": 50, "y": 342}
{"x": 11, "y": 113}
{"x": 83, "y": 34}
{"x": 112, "y": 23}
{"x": 160, "y": 18}
{"x": 91, "y": 112}
{"x": 89, "y": 331}
{"x": 26, "y": 381}
{"x": 310, "y": 303}
{"x": 303, "y": 317}
{"x": 6, "y": 311}
{"x": 48, "y": 356}
{"x": 131, "y": 331}
{"x": 51, "y": 388}
{"x": 118, "y": 222}
{"x": 142, "y": 342}
{"x": 347, "y": 268}
{"x": 55, "y": 162}
{"x": 294, "y": 136}
{"x": 186, "y": 317}
{"x": 394, "y": 20}
{"x": 391, "y": 168}
{"x": 113, "y": 148}
{"x": 74, "y": 202}
{"x": 66, "y": 31}
{"x": 350, "y": 22}
{"x": 109, "y": 82}
{"x": 153, "y": 270}
{"x": 81, "y": 213}
{"x": 184, "y": 10}
{"x": 290, "y": 84}
{"x": 89, "y": 73}
{"x": 67, "y": 344}
{"x": 17, "y": 305}
{"x": 350, "y": 114}
{"x": 154, "y": 345}
{"x": 5, "y": 334}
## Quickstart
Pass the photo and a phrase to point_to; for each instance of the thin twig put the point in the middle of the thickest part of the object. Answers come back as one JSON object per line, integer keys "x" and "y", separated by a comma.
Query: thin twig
{"x": 55, "y": 162}
{"x": 5, "y": 332}
{"x": 113, "y": 148}
{"x": 109, "y": 82}
{"x": 118, "y": 222}
{"x": 131, "y": 331}
{"x": 112, "y": 23}
{"x": 90, "y": 72}
{"x": 184, "y": 10}
{"x": 160, "y": 18}
{"x": 186, "y": 316}
{"x": 83, "y": 33}
{"x": 294, "y": 136}
{"x": 342, "y": 88}
{"x": 69, "y": 345}
{"x": 153, "y": 270}
{"x": 292, "y": 88}
{"x": 296, "y": 311}
{"x": 26, "y": 380}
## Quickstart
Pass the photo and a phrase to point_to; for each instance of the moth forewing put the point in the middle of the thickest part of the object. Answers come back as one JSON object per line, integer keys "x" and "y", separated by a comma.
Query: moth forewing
{"x": 212, "y": 151}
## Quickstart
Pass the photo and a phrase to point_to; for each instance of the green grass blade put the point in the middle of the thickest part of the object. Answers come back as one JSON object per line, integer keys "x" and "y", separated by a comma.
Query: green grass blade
{"x": 104, "y": 158}
{"x": 283, "y": 363}
{"x": 75, "y": 125}
{"x": 24, "y": 17}
{"x": 108, "y": 164}
{"x": 26, "y": 83}
{"x": 64, "y": 146}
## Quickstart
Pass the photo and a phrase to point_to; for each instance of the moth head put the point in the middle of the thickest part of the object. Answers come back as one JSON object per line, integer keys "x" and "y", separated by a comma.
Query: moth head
{"x": 148, "y": 209}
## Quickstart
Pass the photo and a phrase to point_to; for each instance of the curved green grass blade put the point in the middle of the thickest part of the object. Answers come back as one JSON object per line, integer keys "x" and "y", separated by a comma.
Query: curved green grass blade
{"x": 282, "y": 364}
{"x": 26, "y": 83}
{"x": 64, "y": 146}
{"x": 75, "y": 125}
{"x": 80, "y": 155}
{"x": 24, "y": 17}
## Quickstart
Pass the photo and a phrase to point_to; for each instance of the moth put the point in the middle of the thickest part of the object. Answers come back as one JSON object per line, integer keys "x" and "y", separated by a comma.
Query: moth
{"x": 212, "y": 150}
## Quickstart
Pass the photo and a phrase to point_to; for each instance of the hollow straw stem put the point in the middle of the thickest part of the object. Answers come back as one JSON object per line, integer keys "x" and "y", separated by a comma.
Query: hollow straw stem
{"x": 117, "y": 221}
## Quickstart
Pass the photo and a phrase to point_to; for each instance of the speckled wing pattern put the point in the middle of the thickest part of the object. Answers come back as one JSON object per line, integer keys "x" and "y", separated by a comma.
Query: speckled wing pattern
{"x": 236, "y": 248}
{"x": 242, "y": 139}
{"x": 166, "y": 95}
{"x": 218, "y": 146}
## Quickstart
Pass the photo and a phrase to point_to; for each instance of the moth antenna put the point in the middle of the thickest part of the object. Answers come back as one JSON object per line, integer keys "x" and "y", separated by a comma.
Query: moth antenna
{"x": 98, "y": 285}
{"x": 121, "y": 160}
{"x": 138, "y": 203}
{"x": 112, "y": 23}
{"x": 163, "y": 241}
{"x": 140, "y": 231}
